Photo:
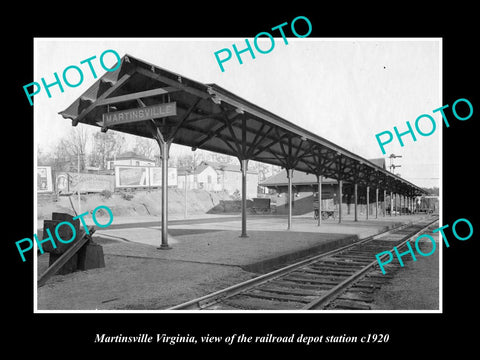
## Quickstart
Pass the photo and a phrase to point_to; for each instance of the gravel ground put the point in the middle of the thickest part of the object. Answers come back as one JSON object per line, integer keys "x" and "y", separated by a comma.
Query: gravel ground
{"x": 135, "y": 283}
{"x": 225, "y": 247}
{"x": 414, "y": 287}
{"x": 137, "y": 276}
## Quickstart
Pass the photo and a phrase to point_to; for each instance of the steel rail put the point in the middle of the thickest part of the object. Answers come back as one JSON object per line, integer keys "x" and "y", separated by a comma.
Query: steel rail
{"x": 334, "y": 292}
{"x": 215, "y": 297}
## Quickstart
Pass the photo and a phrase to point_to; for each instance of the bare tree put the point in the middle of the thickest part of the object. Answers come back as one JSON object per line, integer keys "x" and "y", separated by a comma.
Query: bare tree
{"x": 44, "y": 157}
{"x": 70, "y": 148}
{"x": 146, "y": 147}
{"x": 105, "y": 147}
{"x": 185, "y": 161}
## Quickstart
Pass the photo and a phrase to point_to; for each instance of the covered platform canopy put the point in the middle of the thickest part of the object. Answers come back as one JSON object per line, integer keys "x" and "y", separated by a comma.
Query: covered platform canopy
{"x": 308, "y": 182}
{"x": 206, "y": 116}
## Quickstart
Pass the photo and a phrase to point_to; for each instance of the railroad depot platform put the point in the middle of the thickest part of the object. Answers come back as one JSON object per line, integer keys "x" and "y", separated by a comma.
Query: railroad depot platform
{"x": 207, "y": 254}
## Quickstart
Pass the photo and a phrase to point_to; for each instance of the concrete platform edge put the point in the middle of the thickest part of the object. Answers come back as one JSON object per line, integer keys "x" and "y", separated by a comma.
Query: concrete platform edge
{"x": 271, "y": 264}
{"x": 277, "y": 262}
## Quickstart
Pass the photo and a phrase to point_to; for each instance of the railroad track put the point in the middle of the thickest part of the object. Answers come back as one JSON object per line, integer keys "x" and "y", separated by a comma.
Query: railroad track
{"x": 344, "y": 278}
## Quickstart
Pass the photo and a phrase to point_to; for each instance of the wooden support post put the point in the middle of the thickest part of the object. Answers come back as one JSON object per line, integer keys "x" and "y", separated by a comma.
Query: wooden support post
{"x": 368, "y": 201}
{"x": 289, "y": 176}
{"x": 340, "y": 184}
{"x": 164, "y": 151}
{"x": 319, "y": 181}
{"x": 355, "y": 202}
{"x": 243, "y": 168}
{"x": 376, "y": 203}
{"x": 391, "y": 203}
{"x": 395, "y": 205}
{"x": 384, "y": 203}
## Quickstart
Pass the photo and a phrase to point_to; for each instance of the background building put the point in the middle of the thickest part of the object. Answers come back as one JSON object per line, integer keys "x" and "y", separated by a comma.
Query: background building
{"x": 130, "y": 158}
{"x": 305, "y": 189}
{"x": 212, "y": 176}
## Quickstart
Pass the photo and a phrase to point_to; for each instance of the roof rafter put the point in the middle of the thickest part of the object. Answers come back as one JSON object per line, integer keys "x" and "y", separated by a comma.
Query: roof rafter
{"x": 259, "y": 134}
{"x": 137, "y": 95}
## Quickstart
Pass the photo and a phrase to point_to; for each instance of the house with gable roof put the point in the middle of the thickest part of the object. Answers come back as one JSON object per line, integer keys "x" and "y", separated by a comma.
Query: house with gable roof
{"x": 213, "y": 176}
{"x": 130, "y": 158}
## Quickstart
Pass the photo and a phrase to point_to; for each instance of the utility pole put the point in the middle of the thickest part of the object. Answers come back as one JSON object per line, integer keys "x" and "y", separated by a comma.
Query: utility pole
{"x": 187, "y": 172}
{"x": 78, "y": 182}
{"x": 185, "y": 184}
{"x": 194, "y": 171}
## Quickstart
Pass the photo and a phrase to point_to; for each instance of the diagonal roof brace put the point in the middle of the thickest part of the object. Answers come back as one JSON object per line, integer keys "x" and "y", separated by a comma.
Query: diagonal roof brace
{"x": 323, "y": 155}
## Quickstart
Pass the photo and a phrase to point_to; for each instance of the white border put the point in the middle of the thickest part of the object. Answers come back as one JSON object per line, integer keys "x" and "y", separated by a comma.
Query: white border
{"x": 310, "y": 312}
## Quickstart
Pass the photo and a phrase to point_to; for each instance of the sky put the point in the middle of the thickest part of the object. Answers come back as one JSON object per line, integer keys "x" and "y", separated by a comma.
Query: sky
{"x": 344, "y": 90}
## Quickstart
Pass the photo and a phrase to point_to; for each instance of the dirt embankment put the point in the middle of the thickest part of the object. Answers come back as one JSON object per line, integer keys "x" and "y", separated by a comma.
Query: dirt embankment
{"x": 138, "y": 203}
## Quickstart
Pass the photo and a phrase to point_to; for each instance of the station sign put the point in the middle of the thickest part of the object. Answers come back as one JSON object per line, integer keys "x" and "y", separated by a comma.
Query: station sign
{"x": 139, "y": 114}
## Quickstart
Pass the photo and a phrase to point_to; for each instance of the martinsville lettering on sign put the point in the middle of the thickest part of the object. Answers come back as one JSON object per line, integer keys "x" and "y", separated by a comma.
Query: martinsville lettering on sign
{"x": 139, "y": 114}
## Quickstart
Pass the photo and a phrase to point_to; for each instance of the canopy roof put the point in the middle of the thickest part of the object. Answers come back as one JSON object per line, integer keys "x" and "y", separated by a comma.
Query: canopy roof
{"x": 212, "y": 118}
